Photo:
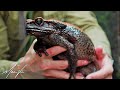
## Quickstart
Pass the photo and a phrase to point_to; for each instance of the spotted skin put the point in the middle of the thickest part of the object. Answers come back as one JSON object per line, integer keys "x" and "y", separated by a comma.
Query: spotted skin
{"x": 79, "y": 46}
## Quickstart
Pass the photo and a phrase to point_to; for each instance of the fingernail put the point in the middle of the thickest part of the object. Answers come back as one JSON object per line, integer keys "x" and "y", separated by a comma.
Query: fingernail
{"x": 85, "y": 62}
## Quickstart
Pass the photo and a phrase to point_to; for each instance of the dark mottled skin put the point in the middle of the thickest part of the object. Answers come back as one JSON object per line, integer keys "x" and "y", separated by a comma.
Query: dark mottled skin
{"x": 79, "y": 46}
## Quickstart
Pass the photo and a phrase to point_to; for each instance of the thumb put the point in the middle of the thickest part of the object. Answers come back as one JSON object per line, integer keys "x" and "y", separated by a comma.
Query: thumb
{"x": 99, "y": 53}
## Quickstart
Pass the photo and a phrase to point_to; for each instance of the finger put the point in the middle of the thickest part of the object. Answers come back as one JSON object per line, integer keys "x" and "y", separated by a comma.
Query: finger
{"x": 55, "y": 50}
{"x": 99, "y": 53}
{"x": 106, "y": 70}
{"x": 50, "y": 77}
{"x": 82, "y": 62}
{"x": 33, "y": 43}
{"x": 59, "y": 74}
{"x": 109, "y": 77}
{"x": 97, "y": 75}
{"x": 49, "y": 64}
{"x": 79, "y": 76}
{"x": 31, "y": 50}
{"x": 101, "y": 74}
{"x": 56, "y": 74}
{"x": 99, "y": 49}
{"x": 61, "y": 64}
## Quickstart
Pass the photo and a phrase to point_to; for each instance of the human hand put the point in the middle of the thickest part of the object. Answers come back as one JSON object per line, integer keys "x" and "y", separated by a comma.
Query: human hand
{"x": 105, "y": 64}
{"x": 41, "y": 67}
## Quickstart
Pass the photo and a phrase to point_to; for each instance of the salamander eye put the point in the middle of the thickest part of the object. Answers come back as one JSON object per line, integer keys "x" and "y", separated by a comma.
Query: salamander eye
{"x": 39, "y": 21}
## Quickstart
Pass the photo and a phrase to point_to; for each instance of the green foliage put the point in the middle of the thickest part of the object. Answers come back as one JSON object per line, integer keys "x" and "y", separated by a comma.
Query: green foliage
{"x": 104, "y": 19}
{"x": 108, "y": 21}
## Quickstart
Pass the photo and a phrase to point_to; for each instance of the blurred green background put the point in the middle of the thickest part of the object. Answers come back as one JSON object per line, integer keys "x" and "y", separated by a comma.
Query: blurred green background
{"x": 109, "y": 20}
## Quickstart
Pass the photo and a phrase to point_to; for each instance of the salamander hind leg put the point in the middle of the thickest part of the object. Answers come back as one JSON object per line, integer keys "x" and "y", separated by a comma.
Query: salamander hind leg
{"x": 71, "y": 55}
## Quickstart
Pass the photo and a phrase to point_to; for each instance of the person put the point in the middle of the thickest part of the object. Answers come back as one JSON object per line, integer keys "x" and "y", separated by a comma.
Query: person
{"x": 18, "y": 59}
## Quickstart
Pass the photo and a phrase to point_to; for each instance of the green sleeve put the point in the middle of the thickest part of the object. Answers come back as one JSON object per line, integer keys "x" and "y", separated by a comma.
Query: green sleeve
{"x": 9, "y": 25}
{"x": 4, "y": 48}
{"x": 5, "y": 65}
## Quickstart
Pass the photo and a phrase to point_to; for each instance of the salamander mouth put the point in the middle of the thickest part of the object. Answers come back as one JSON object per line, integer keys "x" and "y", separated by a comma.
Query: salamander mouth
{"x": 33, "y": 29}
{"x": 33, "y": 32}
{"x": 30, "y": 30}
